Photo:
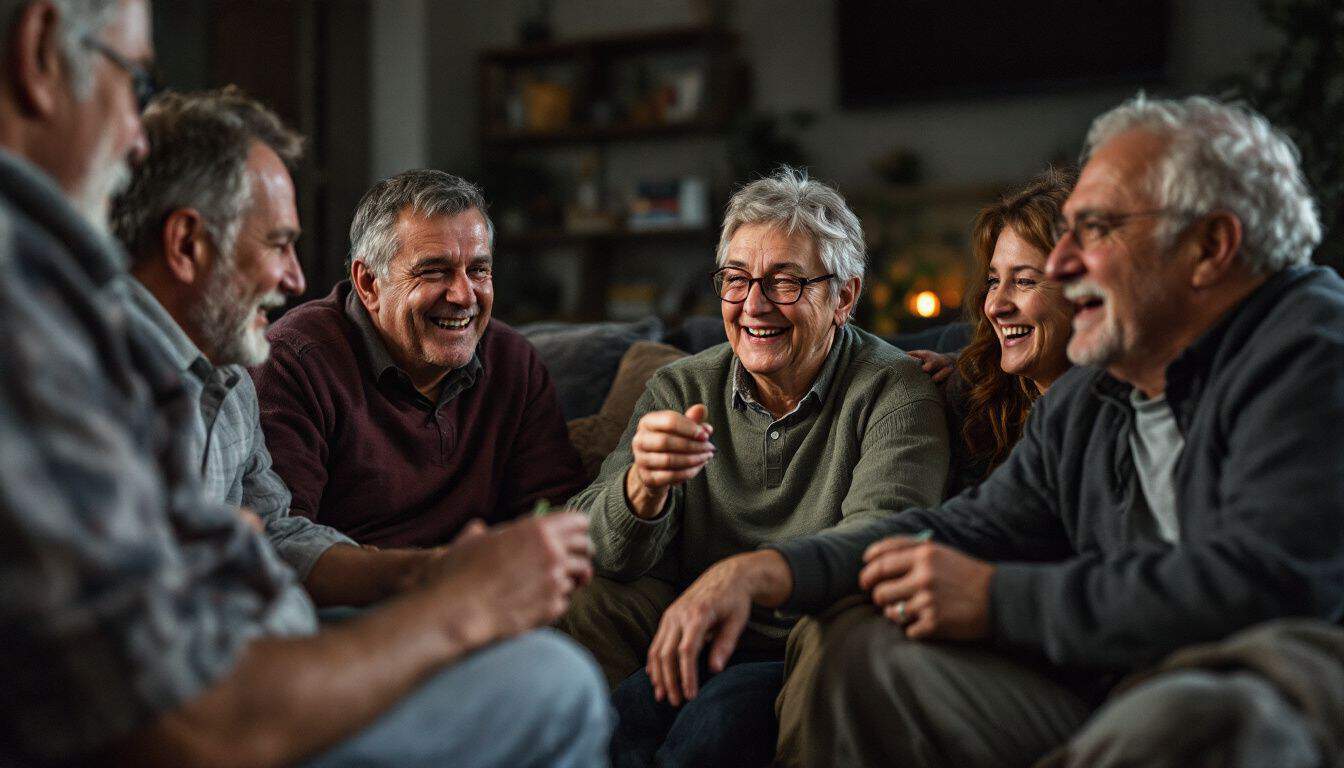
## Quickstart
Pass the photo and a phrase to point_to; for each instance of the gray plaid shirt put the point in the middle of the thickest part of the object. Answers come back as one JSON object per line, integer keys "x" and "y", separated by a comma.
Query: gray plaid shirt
{"x": 224, "y": 435}
{"x": 124, "y": 592}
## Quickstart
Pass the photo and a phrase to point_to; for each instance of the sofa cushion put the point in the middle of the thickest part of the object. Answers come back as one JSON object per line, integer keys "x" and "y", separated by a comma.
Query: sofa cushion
{"x": 698, "y": 333}
{"x": 583, "y": 358}
{"x": 637, "y": 367}
{"x": 952, "y": 337}
{"x": 596, "y": 436}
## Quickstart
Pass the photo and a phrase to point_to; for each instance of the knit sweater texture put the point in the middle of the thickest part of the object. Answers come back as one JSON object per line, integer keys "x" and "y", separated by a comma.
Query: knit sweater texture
{"x": 869, "y": 440}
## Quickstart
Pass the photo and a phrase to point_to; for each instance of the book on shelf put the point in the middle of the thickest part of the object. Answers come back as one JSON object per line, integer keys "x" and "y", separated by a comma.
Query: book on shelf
{"x": 669, "y": 204}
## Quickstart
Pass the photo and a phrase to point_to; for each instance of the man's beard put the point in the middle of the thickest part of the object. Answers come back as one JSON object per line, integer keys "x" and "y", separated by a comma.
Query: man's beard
{"x": 1107, "y": 337}
{"x": 225, "y": 319}
{"x": 108, "y": 177}
{"x": 1111, "y": 342}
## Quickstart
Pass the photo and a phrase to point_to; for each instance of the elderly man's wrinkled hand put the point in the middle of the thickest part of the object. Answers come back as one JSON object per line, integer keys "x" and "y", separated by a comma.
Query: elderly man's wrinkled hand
{"x": 520, "y": 574}
{"x": 932, "y": 590}
{"x": 714, "y": 609}
{"x": 669, "y": 448}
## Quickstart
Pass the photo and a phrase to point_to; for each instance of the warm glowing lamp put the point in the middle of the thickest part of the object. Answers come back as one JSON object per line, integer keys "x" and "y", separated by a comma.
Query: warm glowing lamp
{"x": 926, "y": 304}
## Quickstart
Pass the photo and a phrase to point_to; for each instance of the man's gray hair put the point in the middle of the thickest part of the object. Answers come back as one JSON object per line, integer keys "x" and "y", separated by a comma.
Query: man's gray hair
{"x": 427, "y": 192}
{"x": 789, "y": 200}
{"x": 198, "y": 159}
{"x": 78, "y": 19}
{"x": 1224, "y": 157}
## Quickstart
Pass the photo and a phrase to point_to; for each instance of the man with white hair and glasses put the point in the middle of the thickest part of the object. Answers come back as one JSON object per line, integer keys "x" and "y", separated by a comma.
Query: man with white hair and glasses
{"x": 1174, "y": 506}
{"x": 147, "y": 623}
{"x": 800, "y": 423}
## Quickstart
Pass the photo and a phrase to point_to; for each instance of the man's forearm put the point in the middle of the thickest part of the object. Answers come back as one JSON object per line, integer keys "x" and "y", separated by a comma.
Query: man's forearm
{"x": 767, "y": 576}
{"x": 827, "y": 564}
{"x": 359, "y": 576}
{"x": 289, "y": 698}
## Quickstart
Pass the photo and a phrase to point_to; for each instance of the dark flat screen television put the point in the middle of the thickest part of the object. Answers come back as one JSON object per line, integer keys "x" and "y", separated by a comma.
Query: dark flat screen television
{"x": 895, "y": 51}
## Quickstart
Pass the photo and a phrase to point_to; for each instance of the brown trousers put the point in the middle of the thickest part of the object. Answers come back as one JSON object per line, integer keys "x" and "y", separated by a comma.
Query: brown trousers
{"x": 616, "y": 621}
{"x": 858, "y": 692}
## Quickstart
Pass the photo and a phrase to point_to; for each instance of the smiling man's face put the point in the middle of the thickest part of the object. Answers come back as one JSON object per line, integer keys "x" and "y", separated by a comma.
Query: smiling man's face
{"x": 230, "y": 316}
{"x": 434, "y": 304}
{"x": 1124, "y": 287}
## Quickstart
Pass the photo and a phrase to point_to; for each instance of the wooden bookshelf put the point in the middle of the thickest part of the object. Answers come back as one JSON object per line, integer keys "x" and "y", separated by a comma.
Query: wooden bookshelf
{"x": 592, "y": 79}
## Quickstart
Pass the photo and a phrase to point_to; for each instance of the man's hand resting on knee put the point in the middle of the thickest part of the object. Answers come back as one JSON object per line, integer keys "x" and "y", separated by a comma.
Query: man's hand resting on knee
{"x": 713, "y": 609}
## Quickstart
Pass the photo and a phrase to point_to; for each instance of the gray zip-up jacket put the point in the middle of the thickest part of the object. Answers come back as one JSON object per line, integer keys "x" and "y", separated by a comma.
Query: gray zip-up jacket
{"x": 1259, "y": 399}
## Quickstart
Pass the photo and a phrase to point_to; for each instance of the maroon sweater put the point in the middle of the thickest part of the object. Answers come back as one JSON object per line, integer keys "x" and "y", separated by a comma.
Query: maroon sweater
{"x": 364, "y": 452}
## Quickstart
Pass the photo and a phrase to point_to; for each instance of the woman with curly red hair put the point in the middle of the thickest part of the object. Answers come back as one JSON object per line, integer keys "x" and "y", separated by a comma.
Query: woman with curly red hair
{"x": 1021, "y": 324}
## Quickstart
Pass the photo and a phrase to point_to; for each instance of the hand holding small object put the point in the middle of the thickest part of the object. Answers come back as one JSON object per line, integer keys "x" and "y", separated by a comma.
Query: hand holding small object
{"x": 669, "y": 448}
{"x": 931, "y": 589}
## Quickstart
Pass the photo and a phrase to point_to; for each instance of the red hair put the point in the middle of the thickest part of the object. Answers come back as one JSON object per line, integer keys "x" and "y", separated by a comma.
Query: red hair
{"x": 998, "y": 403}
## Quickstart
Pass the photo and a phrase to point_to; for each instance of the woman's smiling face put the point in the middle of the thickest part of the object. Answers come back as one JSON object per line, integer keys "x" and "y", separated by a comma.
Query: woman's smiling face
{"x": 1029, "y": 314}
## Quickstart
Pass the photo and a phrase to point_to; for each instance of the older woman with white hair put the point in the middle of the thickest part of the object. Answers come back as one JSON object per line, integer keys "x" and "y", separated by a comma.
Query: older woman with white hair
{"x": 800, "y": 423}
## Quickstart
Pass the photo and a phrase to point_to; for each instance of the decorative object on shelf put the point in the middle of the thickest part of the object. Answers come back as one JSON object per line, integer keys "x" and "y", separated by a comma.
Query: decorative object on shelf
{"x": 621, "y": 86}
{"x": 1299, "y": 86}
{"x": 660, "y": 88}
{"x": 601, "y": 95}
{"x": 585, "y": 213}
{"x": 760, "y": 142}
{"x": 687, "y": 86}
{"x": 546, "y": 106}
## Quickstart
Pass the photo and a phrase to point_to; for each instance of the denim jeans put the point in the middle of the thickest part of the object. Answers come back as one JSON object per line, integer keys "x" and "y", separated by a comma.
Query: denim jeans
{"x": 534, "y": 700}
{"x": 731, "y": 722}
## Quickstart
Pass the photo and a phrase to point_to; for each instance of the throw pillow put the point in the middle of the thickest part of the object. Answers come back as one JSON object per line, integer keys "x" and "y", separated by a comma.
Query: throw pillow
{"x": 596, "y": 436}
{"x": 583, "y": 358}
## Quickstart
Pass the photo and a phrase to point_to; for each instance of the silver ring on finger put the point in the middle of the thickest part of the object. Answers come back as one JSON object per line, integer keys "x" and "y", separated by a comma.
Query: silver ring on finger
{"x": 900, "y": 611}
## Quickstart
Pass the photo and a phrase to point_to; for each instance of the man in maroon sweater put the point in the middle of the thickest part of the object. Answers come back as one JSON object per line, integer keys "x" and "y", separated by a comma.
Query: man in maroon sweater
{"x": 395, "y": 409}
